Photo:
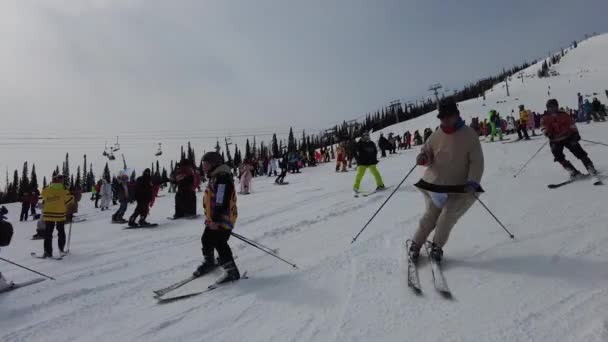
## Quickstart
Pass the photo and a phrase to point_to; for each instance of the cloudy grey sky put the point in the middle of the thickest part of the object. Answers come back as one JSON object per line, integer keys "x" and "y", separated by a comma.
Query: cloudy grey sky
{"x": 246, "y": 66}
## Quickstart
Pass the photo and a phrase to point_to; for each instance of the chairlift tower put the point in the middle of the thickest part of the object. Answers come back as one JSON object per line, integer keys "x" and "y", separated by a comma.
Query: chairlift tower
{"x": 435, "y": 89}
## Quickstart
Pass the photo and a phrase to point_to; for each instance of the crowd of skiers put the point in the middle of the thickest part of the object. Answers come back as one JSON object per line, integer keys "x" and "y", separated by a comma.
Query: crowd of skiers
{"x": 452, "y": 156}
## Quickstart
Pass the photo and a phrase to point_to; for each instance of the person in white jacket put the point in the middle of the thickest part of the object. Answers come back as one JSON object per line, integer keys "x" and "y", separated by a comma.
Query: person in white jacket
{"x": 273, "y": 166}
{"x": 106, "y": 194}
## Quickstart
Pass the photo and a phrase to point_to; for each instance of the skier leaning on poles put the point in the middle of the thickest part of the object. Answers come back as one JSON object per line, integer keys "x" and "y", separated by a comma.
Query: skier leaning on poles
{"x": 455, "y": 165}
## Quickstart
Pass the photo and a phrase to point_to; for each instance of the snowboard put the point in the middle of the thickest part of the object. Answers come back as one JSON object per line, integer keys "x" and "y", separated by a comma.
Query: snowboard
{"x": 151, "y": 225}
{"x": 15, "y": 286}
{"x": 191, "y": 217}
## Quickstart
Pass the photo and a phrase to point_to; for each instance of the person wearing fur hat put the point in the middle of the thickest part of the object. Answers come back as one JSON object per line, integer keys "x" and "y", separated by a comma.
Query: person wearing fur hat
{"x": 455, "y": 164}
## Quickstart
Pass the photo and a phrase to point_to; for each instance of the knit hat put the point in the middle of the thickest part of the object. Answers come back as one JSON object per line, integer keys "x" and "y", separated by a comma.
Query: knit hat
{"x": 213, "y": 158}
{"x": 552, "y": 103}
{"x": 447, "y": 108}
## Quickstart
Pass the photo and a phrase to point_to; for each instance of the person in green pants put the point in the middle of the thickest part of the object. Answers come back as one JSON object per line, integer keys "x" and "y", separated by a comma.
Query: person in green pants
{"x": 366, "y": 155}
{"x": 495, "y": 123}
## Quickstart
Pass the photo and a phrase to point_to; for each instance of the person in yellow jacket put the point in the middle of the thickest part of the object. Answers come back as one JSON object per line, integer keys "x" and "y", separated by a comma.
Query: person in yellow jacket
{"x": 523, "y": 123}
{"x": 56, "y": 200}
{"x": 221, "y": 213}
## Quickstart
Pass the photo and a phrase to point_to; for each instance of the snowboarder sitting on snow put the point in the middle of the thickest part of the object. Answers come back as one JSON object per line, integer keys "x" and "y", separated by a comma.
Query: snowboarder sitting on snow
{"x": 561, "y": 130}
{"x": 454, "y": 162}
{"x": 56, "y": 201}
{"x": 143, "y": 195}
{"x": 220, "y": 217}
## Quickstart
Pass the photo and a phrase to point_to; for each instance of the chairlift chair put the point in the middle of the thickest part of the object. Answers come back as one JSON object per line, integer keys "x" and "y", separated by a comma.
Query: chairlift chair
{"x": 160, "y": 151}
{"x": 116, "y": 146}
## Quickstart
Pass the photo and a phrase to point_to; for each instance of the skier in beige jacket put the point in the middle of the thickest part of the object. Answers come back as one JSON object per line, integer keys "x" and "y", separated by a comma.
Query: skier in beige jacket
{"x": 454, "y": 162}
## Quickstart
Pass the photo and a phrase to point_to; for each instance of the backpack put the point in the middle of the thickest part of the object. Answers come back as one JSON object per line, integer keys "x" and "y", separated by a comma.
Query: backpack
{"x": 6, "y": 233}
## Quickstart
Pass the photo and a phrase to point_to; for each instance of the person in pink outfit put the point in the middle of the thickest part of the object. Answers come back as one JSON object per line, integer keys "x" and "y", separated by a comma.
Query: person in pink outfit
{"x": 246, "y": 174}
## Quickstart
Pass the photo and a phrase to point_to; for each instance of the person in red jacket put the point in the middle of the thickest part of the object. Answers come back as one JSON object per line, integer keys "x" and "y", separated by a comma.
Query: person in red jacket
{"x": 561, "y": 130}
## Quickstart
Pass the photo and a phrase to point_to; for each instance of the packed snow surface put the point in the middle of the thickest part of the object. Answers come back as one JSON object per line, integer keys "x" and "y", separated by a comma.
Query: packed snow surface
{"x": 549, "y": 284}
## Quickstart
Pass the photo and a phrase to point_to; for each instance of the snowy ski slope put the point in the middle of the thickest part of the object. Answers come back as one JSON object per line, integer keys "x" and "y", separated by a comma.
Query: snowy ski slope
{"x": 547, "y": 285}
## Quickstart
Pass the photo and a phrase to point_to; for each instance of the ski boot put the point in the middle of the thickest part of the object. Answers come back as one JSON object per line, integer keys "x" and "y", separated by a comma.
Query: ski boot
{"x": 231, "y": 273}
{"x": 4, "y": 284}
{"x": 380, "y": 187}
{"x": 143, "y": 222}
{"x": 436, "y": 253}
{"x": 207, "y": 266}
{"x": 414, "y": 251}
{"x": 47, "y": 255}
{"x": 591, "y": 169}
{"x": 132, "y": 222}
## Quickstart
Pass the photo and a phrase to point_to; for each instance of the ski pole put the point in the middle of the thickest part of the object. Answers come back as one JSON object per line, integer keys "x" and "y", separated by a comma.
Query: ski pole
{"x": 247, "y": 241}
{"x": 44, "y": 275}
{"x": 383, "y": 204}
{"x": 256, "y": 243}
{"x": 495, "y": 218}
{"x": 594, "y": 142}
{"x": 528, "y": 162}
{"x": 69, "y": 238}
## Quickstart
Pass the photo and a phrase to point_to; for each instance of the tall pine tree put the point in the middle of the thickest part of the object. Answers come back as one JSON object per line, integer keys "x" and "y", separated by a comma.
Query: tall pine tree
{"x": 66, "y": 170}
{"x": 247, "y": 150}
{"x": 275, "y": 146}
{"x": 291, "y": 141}
{"x": 106, "y": 173}
{"x": 85, "y": 177}
{"x": 15, "y": 191}
{"x": 24, "y": 185}
{"x": 78, "y": 181}
{"x": 34, "y": 179}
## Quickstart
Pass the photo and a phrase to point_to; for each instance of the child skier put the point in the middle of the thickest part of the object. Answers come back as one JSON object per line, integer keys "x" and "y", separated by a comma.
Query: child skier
{"x": 220, "y": 216}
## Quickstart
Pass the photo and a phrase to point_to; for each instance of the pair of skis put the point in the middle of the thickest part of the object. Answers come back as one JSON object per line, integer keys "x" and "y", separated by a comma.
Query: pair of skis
{"x": 413, "y": 281}
{"x": 596, "y": 181}
{"x": 160, "y": 294}
{"x": 368, "y": 193}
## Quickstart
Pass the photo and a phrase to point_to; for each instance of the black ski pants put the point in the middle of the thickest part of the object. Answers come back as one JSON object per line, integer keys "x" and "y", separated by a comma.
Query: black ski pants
{"x": 216, "y": 240}
{"x": 281, "y": 177}
{"x": 185, "y": 204}
{"x": 572, "y": 144}
{"x": 118, "y": 215}
{"x": 48, "y": 236}
{"x": 25, "y": 209}
{"x": 142, "y": 209}
{"x": 522, "y": 129}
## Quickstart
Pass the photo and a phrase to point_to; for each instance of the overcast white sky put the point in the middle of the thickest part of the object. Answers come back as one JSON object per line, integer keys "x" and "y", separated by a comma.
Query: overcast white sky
{"x": 230, "y": 66}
